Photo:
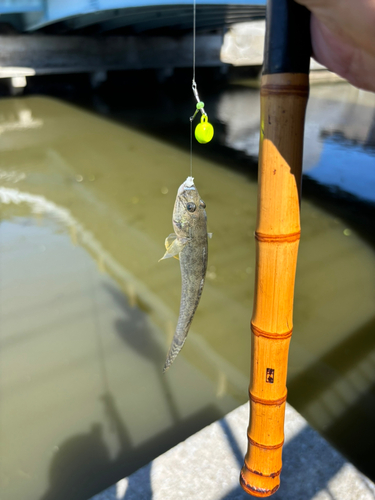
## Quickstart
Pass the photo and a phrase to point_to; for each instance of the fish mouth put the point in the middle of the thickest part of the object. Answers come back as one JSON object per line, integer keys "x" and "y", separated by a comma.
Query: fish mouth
{"x": 177, "y": 224}
{"x": 187, "y": 185}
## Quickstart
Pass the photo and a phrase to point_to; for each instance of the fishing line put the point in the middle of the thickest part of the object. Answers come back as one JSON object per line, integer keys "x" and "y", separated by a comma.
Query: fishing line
{"x": 204, "y": 131}
{"x": 191, "y": 147}
{"x": 194, "y": 30}
{"x": 193, "y": 83}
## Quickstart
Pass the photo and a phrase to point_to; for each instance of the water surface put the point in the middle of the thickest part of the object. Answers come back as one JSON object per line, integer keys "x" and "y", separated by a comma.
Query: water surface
{"x": 87, "y": 311}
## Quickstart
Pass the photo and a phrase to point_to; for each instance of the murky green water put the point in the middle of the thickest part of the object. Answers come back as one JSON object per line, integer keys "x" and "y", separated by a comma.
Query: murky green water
{"x": 87, "y": 312}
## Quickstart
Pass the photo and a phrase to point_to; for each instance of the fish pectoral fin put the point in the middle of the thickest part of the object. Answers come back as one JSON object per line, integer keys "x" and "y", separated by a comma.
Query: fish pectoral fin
{"x": 173, "y": 246}
{"x": 169, "y": 240}
{"x": 209, "y": 235}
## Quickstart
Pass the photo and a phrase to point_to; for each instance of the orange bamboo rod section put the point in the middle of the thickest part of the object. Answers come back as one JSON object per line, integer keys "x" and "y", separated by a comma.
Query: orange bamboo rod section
{"x": 283, "y": 104}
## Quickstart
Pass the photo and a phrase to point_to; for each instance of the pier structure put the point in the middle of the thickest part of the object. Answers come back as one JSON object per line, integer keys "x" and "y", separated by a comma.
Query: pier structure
{"x": 39, "y": 37}
{"x": 42, "y": 37}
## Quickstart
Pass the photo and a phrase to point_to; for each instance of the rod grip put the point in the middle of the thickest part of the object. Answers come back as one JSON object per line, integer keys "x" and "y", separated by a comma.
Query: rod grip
{"x": 287, "y": 47}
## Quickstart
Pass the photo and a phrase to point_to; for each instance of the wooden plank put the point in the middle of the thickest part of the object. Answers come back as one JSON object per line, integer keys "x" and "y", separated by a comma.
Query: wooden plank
{"x": 48, "y": 54}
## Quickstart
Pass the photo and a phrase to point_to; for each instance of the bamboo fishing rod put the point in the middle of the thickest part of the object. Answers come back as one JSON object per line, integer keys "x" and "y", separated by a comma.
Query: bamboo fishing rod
{"x": 284, "y": 93}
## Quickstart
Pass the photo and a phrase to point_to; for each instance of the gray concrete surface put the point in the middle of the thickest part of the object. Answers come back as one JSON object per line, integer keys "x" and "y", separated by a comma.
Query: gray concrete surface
{"x": 206, "y": 467}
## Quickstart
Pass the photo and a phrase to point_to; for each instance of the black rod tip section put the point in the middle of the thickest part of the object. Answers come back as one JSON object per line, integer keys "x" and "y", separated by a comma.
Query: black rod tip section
{"x": 288, "y": 44}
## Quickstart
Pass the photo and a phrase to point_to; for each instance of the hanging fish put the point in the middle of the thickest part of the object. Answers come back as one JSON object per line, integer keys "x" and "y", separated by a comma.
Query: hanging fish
{"x": 189, "y": 244}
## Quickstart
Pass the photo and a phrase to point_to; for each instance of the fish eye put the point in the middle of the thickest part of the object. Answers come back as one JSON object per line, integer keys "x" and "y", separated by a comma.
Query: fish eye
{"x": 191, "y": 207}
{"x": 202, "y": 204}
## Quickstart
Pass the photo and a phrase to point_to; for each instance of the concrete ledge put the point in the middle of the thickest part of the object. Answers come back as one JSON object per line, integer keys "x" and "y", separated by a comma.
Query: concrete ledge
{"x": 206, "y": 467}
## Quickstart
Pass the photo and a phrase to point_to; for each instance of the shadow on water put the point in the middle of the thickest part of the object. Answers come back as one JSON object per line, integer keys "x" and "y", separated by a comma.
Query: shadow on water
{"x": 96, "y": 471}
{"x": 69, "y": 481}
{"x": 134, "y": 330}
{"x": 89, "y": 450}
{"x": 304, "y": 475}
{"x": 333, "y": 365}
{"x": 346, "y": 365}
{"x": 116, "y": 424}
{"x": 359, "y": 444}
{"x": 82, "y": 465}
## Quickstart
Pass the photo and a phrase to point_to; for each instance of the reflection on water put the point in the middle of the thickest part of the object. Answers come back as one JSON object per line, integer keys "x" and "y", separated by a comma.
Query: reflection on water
{"x": 352, "y": 172}
{"x": 87, "y": 312}
{"x": 22, "y": 119}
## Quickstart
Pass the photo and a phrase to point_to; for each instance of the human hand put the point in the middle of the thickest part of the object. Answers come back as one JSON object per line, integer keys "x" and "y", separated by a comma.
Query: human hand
{"x": 343, "y": 38}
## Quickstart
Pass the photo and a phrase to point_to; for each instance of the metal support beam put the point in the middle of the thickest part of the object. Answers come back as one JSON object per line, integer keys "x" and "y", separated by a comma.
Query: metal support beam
{"x": 19, "y": 6}
{"x": 47, "y": 54}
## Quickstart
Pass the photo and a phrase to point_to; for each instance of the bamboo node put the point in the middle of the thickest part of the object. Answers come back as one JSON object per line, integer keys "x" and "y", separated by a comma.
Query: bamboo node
{"x": 278, "y": 238}
{"x": 270, "y": 335}
{"x": 265, "y": 446}
{"x": 273, "y": 474}
{"x": 257, "y": 492}
{"x": 268, "y": 402}
{"x": 283, "y": 90}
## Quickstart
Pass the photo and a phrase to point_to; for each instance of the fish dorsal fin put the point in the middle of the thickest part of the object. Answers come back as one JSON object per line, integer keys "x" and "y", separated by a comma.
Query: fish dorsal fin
{"x": 173, "y": 246}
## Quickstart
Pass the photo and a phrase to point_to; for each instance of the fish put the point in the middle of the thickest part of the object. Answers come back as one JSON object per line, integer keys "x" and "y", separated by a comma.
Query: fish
{"x": 189, "y": 243}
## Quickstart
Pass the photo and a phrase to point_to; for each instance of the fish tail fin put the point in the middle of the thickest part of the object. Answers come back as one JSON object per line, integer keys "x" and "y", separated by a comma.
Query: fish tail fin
{"x": 175, "y": 348}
